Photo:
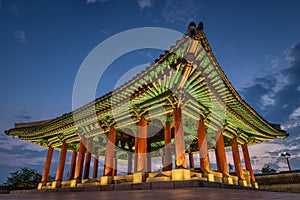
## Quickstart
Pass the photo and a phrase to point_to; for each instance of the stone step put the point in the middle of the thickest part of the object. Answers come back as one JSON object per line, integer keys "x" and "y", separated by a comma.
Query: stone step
{"x": 158, "y": 179}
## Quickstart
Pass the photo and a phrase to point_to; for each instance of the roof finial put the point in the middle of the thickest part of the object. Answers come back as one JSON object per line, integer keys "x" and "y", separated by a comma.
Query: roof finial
{"x": 200, "y": 26}
{"x": 191, "y": 30}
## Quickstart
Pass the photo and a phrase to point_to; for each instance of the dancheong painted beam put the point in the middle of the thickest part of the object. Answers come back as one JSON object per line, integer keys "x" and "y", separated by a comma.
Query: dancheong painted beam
{"x": 181, "y": 105}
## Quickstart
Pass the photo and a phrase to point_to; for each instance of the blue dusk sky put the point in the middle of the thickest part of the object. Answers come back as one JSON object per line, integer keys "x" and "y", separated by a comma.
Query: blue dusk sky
{"x": 43, "y": 43}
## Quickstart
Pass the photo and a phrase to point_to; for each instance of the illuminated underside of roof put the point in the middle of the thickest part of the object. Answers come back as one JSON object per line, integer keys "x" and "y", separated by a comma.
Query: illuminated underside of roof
{"x": 192, "y": 81}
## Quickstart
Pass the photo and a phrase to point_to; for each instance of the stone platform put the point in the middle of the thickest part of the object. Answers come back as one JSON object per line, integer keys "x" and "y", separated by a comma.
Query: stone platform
{"x": 166, "y": 194}
{"x": 139, "y": 186}
{"x": 152, "y": 178}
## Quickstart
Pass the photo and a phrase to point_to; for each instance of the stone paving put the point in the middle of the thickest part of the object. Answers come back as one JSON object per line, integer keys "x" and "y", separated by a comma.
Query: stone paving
{"x": 186, "y": 193}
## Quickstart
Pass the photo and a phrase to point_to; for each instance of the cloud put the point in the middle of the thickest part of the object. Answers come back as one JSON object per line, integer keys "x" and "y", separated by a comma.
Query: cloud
{"x": 15, "y": 10}
{"x": 20, "y": 159}
{"x": 95, "y": 1}
{"x": 20, "y": 35}
{"x": 264, "y": 149}
{"x": 10, "y": 143}
{"x": 276, "y": 97}
{"x": 260, "y": 93}
{"x": 275, "y": 62}
{"x": 267, "y": 154}
{"x": 104, "y": 31}
{"x": 145, "y": 4}
{"x": 24, "y": 115}
{"x": 267, "y": 100}
{"x": 295, "y": 114}
{"x": 178, "y": 11}
{"x": 291, "y": 125}
{"x": 91, "y": 1}
{"x": 292, "y": 54}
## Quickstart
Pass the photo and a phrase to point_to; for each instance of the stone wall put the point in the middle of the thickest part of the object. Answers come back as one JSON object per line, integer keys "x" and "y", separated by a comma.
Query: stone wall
{"x": 280, "y": 182}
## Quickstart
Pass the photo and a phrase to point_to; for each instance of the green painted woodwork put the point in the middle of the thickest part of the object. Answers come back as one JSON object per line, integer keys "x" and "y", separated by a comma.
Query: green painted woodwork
{"x": 199, "y": 88}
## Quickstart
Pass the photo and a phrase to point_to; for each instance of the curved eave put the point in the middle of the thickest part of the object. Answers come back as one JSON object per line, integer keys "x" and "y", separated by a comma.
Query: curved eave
{"x": 279, "y": 133}
{"x": 102, "y": 104}
{"x": 68, "y": 117}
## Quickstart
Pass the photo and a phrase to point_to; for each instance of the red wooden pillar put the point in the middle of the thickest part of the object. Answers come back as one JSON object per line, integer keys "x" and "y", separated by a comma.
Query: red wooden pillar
{"x": 88, "y": 158}
{"x": 179, "y": 139}
{"x": 73, "y": 164}
{"x": 61, "y": 163}
{"x": 236, "y": 158}
{"x": 109, "y": 156}
{"x": 221, "y": 154}
{"x": 248, "y": 161}
{"x": 80, "y": 161}
{"x": 142, "y": 146}
{"x": 163, "y": 158}
{"x": 149, "y": 157}
{"x": 217, "y": 160}
{"x": 47, "y": 165}
{"x": 114, "y": 167}
{"x": 135, "y": 153}
{"x": 87, "y": 165}
{"x": 167, "y": 162}
{"x": 191, "y": 159}
{"x": 95, "y": 167}
{"x": 202, "y": 145}
{"x": 129, "y": 155}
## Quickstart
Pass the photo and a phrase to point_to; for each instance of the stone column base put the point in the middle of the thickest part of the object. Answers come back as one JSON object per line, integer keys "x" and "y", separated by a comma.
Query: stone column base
{"x": 73, "y": 183}
{"x": 254, "y": 185}
{"x": 83, "y": 181}
{"x": 139, "y": 177}
{"x": 235, "y": 179}
{"x": 56, "y": 184}
{"x": 181, "y": 174}
{"x": 218, "y": 176}
{"x": 228, "y": 180}
{"x": 243, "y": 183}
{"x": 210, "y": 177}
{"x": 106, "y": 180}
{"x": 40, "y": 186}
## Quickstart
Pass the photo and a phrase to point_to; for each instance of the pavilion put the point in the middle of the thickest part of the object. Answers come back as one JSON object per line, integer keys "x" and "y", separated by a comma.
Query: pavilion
{"x": 181, "y": 105}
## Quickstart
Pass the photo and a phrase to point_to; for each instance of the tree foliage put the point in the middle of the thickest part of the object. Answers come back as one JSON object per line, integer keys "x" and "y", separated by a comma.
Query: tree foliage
{"x": 268, "y": 170}
{"x": 26, "y": 178}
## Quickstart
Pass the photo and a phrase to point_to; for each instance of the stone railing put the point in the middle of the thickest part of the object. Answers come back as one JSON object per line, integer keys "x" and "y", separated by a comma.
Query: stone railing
{"x": 4, "y": 189}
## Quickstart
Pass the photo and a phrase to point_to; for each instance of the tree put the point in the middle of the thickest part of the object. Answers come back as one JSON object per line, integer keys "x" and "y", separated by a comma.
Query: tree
{"x": 26, "y": 178}
{"x": 267, "y": 170}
